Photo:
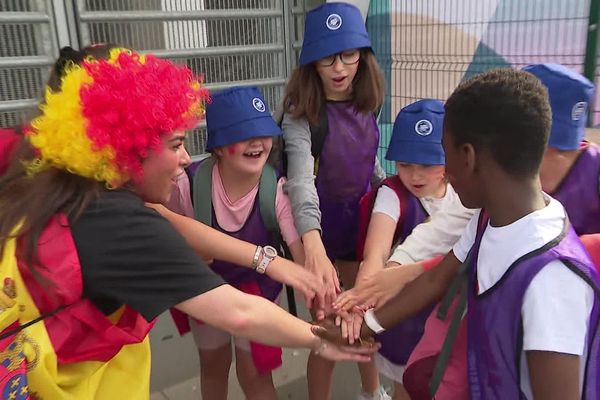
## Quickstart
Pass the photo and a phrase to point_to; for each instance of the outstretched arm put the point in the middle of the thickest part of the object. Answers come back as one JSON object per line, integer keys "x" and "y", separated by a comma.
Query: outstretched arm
{"x": 258, "y": 319}
{"x": 210, "y": 243}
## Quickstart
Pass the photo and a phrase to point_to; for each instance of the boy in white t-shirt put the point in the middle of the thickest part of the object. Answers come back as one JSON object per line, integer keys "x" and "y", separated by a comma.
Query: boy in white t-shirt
{"x": 531, "y": 289}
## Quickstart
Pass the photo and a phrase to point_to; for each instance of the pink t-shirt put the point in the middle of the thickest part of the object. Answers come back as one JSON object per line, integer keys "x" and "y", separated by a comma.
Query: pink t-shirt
{"x": 232, "y": 216}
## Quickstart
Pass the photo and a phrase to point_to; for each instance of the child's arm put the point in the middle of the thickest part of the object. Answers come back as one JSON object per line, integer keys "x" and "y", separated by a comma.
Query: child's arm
{"x": 553, "y": 376}
{"x": 210, "y": 243}
{"x": 300, "y": 188}
{"x": 297, "y": 251}
{"x": 378, "y": 244}
{"x": 380, "y": 232}
{"x": 426, "y": 289}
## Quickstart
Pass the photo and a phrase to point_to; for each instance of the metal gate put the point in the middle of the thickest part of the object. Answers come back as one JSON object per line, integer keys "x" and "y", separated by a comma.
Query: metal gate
{"x": 28, "y": 46}
{"x": 230, "y": 42}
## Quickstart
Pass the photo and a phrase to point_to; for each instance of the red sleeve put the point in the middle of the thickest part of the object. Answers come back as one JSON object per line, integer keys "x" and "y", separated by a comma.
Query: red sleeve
{"x": 592, "y": 245}
{"x": 431, "y": 263}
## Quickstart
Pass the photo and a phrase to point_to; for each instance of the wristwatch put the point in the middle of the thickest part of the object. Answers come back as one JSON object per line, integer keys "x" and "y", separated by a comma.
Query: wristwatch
{"x": 268, "y": 254}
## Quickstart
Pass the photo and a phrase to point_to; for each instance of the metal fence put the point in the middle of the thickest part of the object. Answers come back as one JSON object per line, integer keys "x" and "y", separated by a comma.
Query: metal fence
{"x": 426, "y": 47}
{"x": 27, "y": 49}
{"x": 229, "y": 42}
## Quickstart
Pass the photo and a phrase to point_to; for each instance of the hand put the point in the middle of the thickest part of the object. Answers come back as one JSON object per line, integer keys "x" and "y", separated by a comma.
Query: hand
{"x": 351, "y": 325}
{"x": 376, "y": 289}
{"x": 319, "y": 264}
{"x": 294, "y": 275}
{"x": 328, "y": 331}
{"x": 336, "y": 352}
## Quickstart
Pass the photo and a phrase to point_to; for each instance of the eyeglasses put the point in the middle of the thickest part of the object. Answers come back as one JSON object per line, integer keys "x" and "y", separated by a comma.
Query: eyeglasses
{"x": 346, "y": 57}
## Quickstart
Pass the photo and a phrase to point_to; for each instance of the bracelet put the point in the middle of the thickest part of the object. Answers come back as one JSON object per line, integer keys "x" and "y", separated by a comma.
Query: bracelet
{"x": 256, "y": 257}
{"x": 372, "y": 322}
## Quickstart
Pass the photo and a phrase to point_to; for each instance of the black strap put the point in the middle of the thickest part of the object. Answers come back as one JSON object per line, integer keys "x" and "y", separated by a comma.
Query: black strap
{"x": 318, "y": 133}
{"x": 19, "y": 328}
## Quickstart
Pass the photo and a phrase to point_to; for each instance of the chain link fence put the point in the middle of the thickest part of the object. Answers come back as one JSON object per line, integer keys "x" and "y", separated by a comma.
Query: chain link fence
{"x": 426, "y": 47}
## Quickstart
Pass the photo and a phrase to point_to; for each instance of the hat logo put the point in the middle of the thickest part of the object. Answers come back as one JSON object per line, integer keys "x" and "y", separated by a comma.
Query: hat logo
{"x": 334, "y": 22}
{"x": 258, "y": 104}
{"x": 579, "y": 110}
{"x": 423, "y": 127}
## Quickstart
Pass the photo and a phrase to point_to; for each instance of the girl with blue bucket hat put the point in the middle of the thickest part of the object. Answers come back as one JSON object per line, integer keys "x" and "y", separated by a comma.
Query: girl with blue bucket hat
{"x": 335, "y": 91}
{"x": 389, "y": 215}
{"x": 570, "y": 169}
{"x": 235, "y": 191}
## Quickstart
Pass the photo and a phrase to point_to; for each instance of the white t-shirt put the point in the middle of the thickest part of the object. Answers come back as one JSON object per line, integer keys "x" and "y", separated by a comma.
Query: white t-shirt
{"x": 448, "y": 218}
{"x": 557, "y": 304}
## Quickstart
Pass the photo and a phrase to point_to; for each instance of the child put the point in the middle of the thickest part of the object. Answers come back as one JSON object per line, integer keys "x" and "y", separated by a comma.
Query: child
{"x": 571, "y": 166}
{"x": 418, "y": 192}
{"x": 532, "y": 291}
{"x": 240, "y": 136}
{"x": 337, "y": 88}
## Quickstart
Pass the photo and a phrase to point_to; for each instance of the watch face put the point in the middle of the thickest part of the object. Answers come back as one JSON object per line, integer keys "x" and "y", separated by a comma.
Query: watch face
{"x": 270, "y": 251}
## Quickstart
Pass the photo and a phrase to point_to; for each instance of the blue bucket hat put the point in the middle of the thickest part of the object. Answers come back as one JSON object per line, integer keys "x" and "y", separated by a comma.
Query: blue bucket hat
{"x": 238, "y": 114}
{"x": 330, "y": 29}
{"x": 417, "y": 134}
{"x": 570, "y": 95}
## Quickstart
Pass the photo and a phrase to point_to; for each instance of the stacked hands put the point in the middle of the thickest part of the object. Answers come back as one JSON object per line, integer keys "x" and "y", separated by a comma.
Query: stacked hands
{"x": 339, "y": 320}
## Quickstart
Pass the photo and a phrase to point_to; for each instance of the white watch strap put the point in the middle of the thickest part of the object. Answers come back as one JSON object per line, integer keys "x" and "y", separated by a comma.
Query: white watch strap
{"x": 372, "y": 322}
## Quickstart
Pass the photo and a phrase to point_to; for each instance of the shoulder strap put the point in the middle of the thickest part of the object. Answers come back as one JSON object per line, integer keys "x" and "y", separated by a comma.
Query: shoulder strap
{"x": 396, "y": 185}
{"x": 267, "y": 192}
{"x": 318, "y": 133}
{"x": 203, "y": 192}
{"x": 458, "y": 287}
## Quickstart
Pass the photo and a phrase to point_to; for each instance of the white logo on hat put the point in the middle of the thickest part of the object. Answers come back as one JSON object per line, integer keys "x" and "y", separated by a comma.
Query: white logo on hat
{"x": 579, "y": 110}
{"x": 424, "y": 127}
{"x": 334, "y": 22}
{"x": 258, "y": 104}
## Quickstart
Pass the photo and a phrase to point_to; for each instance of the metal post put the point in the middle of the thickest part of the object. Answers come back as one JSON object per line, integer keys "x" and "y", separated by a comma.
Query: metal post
{"x": 591, "y": 47}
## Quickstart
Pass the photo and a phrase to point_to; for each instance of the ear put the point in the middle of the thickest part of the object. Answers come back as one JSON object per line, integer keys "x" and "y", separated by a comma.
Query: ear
{"x": 218, "y": 151}
{"x": 470, "y": 157}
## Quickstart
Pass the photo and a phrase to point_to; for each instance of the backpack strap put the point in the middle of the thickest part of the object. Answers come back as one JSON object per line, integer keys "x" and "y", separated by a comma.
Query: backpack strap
{"x": 267, "y": 192}
{"x": 202, "y": 192}
{"x": 458, "y": 287}
{"x": 318, "y": 133}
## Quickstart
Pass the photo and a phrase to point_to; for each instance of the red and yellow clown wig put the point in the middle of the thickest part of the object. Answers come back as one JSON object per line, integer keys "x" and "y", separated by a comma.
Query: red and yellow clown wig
{"x": 110, "y": 114}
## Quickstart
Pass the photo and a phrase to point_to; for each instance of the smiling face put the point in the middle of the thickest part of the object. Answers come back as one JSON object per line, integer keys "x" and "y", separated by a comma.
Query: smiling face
{"x": 248, "y": 156}
{"x": 161, "y": 168}
{"x": 337, "y": 77}
{"x": 422, "y": 180}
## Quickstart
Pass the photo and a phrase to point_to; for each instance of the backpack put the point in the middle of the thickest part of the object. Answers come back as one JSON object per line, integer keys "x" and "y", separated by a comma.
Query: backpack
{"x": 365, "y": 209}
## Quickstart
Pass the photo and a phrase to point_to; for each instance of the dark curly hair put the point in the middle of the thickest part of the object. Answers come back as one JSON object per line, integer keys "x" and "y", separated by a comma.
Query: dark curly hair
{"x": 506, "y": 112}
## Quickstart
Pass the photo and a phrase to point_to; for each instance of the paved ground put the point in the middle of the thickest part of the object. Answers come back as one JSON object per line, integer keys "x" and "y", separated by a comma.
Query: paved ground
{"x": 175, "y": 369}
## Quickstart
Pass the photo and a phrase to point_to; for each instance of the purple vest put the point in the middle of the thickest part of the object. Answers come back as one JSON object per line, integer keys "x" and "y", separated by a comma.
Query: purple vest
{"x": 345, "y": 168}
{"x": 253, "y": 231}
{"x": 579, "y": 192}
{"x": 494, "y": 319}
{"x": 398, "y": 342}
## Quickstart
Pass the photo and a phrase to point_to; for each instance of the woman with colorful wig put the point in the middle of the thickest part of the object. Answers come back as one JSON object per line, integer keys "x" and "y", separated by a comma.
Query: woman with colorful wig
{"x": 86, "y": 266}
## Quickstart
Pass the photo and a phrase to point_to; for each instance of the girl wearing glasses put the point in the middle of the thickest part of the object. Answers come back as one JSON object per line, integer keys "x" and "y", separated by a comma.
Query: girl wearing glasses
{"x": 336, "y": 90}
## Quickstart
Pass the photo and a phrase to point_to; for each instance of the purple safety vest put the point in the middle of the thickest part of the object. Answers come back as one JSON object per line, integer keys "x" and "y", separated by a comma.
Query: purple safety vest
{"x": 579, "y": 192}
{"x": 345, "y": 168}
{"x": 495, "y": 331}
{"x": 253, "y": 231}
